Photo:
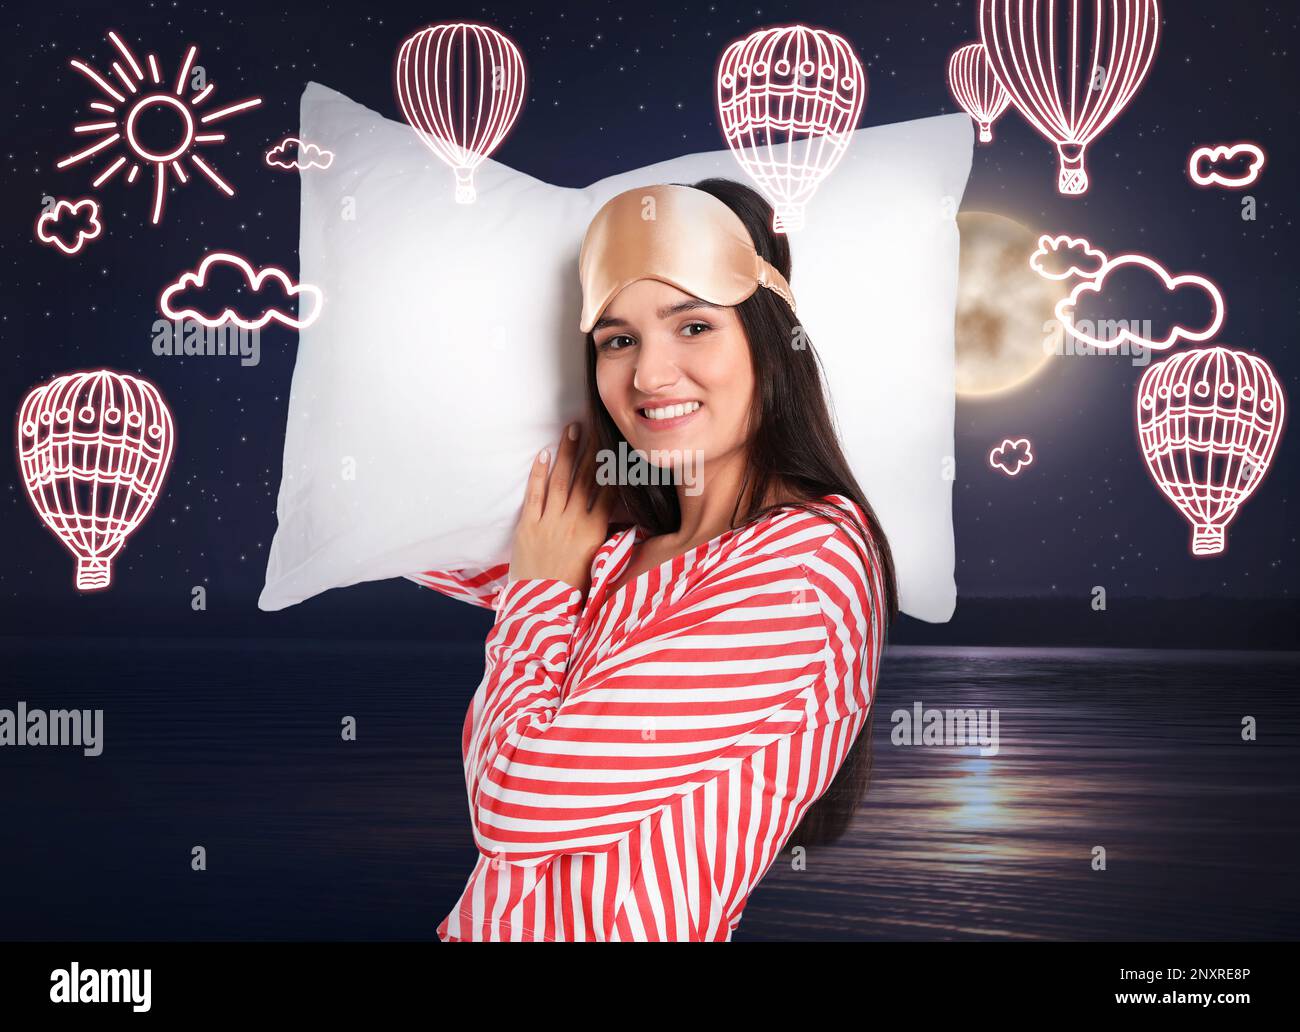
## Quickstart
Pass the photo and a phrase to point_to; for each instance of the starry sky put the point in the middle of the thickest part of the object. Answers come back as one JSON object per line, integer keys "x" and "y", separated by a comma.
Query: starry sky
{"x": 612, "y": 87}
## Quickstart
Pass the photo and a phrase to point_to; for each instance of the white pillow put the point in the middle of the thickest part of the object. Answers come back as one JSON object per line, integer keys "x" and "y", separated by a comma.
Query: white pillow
{"x": 447, "y": 351}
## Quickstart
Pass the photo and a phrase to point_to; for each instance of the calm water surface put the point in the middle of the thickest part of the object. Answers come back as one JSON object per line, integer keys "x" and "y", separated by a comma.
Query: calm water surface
{"x": 235, "y": 746}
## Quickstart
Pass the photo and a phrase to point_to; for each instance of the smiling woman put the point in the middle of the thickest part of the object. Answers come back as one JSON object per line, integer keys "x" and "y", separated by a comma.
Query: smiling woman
{"x": 666, "y": 709}
{"x": 637, "y": 375}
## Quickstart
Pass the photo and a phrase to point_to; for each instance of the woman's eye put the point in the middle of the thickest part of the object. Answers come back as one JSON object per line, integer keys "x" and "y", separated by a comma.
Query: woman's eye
{"x": 610, "y": 343}
{"x": 703, "y": 327}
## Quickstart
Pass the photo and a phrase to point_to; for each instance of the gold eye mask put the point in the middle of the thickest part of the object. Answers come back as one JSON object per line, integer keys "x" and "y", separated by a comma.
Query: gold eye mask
{"x": 678, "y": 235}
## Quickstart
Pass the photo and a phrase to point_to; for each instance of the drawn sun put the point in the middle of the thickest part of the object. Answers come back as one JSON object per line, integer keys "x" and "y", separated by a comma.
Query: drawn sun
{"x": 176, "y": 125}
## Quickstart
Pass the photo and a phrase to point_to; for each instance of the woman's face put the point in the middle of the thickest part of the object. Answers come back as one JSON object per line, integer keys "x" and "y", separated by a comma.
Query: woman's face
{"x": 659, "y": 349}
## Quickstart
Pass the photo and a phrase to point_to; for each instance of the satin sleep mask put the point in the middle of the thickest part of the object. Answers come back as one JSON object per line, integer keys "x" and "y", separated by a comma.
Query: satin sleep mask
{"x": 676, "y": 234}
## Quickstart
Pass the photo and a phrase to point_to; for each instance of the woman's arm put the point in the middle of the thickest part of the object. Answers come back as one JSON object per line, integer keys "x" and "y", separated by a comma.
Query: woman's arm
{"x": 686, "y": 698}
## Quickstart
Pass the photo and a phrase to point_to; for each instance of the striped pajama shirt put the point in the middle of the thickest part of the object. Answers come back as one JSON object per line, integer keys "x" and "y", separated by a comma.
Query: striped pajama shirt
{"x": 635, "y": 760}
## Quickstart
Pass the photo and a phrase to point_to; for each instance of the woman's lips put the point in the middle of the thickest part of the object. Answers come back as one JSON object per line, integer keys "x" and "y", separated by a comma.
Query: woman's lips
{"x": 666, "y": 424}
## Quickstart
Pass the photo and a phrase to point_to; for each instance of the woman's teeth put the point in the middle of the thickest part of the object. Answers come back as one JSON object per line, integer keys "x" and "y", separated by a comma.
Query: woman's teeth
{"x": 671, "y": 411}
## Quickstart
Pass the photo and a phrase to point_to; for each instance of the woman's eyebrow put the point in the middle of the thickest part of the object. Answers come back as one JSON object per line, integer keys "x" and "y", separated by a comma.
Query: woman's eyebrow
{"x": 684, "y": 306}
{"x": 664, "y": 313}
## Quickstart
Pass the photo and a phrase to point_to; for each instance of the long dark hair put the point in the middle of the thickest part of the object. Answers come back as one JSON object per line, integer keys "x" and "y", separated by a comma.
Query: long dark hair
{"x": 794, "y": 448}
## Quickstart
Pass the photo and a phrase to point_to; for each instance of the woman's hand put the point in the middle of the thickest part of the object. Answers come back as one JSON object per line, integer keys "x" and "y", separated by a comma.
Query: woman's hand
{"x": 564, "y": 521}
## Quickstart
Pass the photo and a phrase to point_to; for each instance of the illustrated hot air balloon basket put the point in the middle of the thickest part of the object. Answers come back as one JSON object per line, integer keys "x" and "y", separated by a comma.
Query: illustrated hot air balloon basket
{"x": 94, "y": 448}
{"x": 1209, "y": 422}
{"x": 1073, "y": 177}
{"x": 788, "y": 219}
{"x": 1208, "y": 540}
{"x": 93, "y": 573}
{"x": 465, "y": 192}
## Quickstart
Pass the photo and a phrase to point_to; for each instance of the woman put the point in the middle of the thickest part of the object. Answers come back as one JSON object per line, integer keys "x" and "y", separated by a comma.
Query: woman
{"x": 663, "y": 709}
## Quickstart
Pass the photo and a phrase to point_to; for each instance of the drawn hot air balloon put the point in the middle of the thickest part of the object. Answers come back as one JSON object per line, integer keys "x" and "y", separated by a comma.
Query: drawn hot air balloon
{"x": 976, "y": 88}
{"x": 1070, "y": 66}
{"x": 461, "y": 87}
{"x": 94, "y": 448}
{"x": 790, "y": 85}
{"x": 1209, "y": 421}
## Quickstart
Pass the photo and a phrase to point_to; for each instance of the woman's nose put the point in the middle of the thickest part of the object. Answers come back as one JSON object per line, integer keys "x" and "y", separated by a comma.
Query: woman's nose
{"x": 656, "y": 367}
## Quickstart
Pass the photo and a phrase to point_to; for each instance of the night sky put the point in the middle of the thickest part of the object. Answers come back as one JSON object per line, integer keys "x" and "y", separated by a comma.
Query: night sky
{"x": 613, "y": 87}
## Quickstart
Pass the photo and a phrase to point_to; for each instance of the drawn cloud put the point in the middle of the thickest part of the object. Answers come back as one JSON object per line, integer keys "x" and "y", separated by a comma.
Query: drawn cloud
{"x": 267, "y": 295}
{"x": 1064, "y": 257}
{"x": 1232, "y": 165}
{"x": 293, "y": 153}
{"x": 64, "y": 227}
{"x": 1142, "y": 272}
{"x": 1011, "y": 456}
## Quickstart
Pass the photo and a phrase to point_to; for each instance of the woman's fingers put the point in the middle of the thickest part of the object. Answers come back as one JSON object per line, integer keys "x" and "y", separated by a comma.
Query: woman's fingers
{"x": 535, "y": 492}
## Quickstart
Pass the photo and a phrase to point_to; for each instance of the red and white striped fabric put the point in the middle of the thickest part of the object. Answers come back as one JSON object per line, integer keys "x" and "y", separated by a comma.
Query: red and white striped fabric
{"x": 636, "y": 760}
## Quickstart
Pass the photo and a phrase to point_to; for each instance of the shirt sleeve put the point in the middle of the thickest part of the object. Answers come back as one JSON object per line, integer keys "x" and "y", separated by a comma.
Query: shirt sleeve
{"x": 479, "y": 586}
{"x": 708, "y": 680}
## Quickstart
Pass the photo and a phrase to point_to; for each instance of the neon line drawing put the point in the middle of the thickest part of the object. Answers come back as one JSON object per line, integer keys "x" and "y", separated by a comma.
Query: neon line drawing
{"x": 1209, "y": 421}
{"x": 48, "y": 222}
{"x": 141, "y": 99}
{"x": 461, "y": 87}
{"x": 254, "y": 279}
{"x": 292, "y": 153}
{"x": 1201, "y": 162}
{"x": 94, "y": 448}
{"x": 1051, "y": 246}
{"x": 1065, "y": 308}
{"x": 1070, "y": 67}
{"x": 1007, "y": 457}
{"x": 792, "y": 87}
{"x": 975, "y": 88}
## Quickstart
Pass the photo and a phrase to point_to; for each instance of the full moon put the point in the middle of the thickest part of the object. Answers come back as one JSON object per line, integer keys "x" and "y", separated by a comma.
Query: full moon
{"x": 1005, "y": 311}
